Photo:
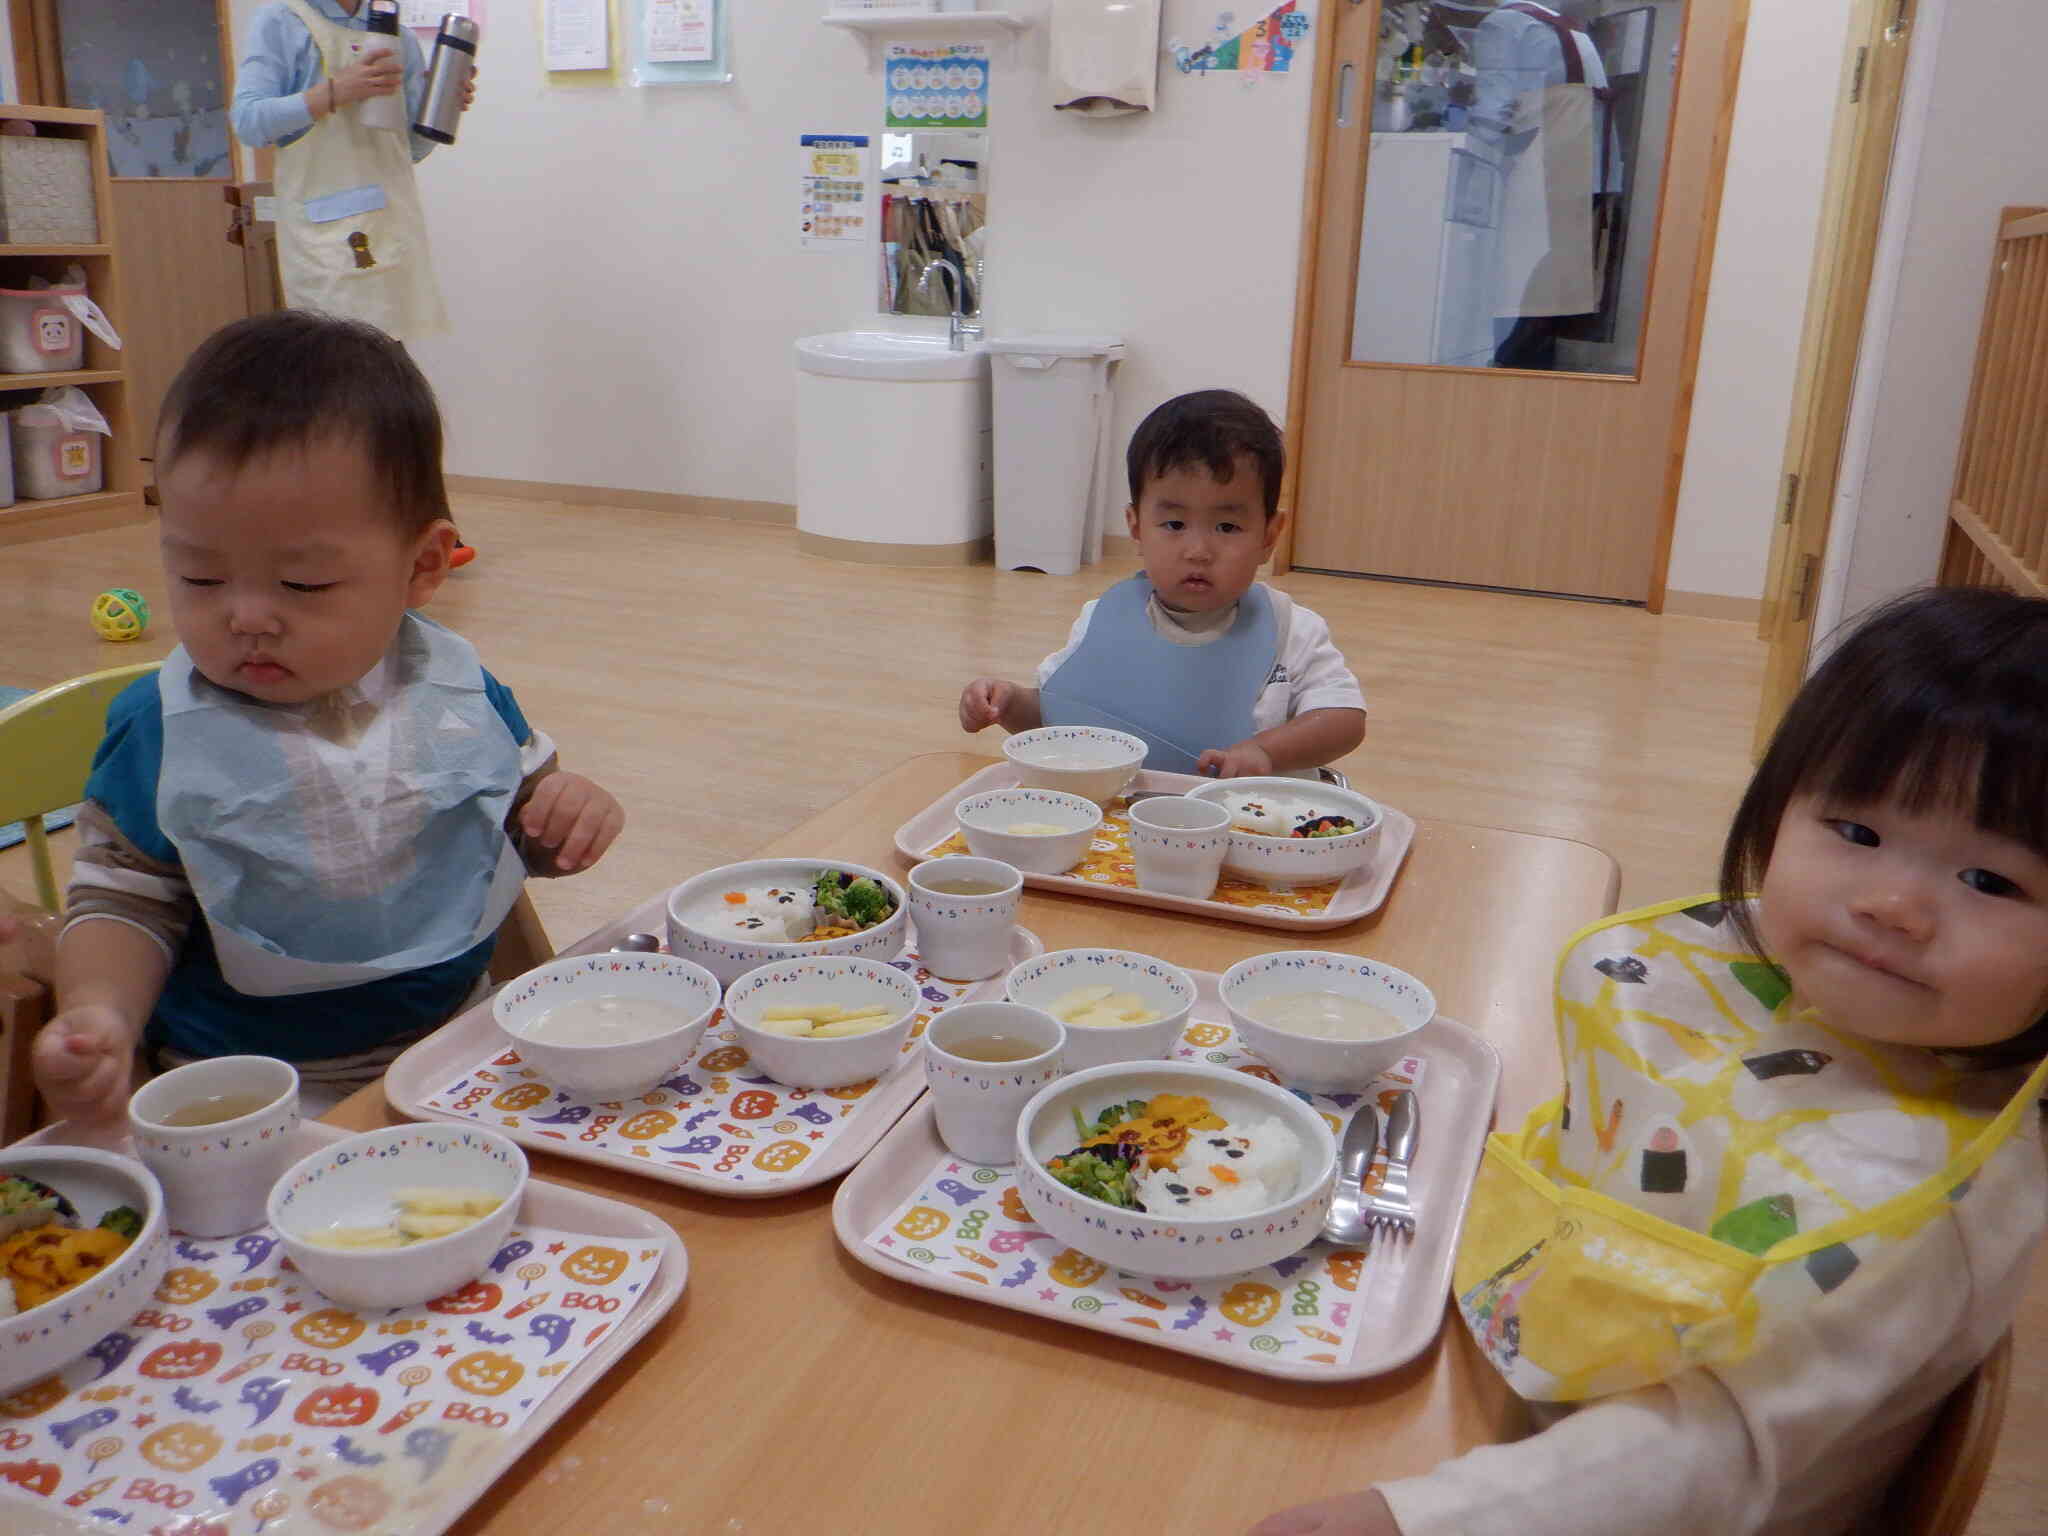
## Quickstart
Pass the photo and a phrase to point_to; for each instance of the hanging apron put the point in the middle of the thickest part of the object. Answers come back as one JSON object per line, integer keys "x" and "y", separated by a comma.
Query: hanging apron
{"x": 1547, "y": 237}
{"x": 343, "y": 842}
{"x": 1718, "y": 1156}
{"x": 1178, "y": 699}
{"x": 354, "y": 241}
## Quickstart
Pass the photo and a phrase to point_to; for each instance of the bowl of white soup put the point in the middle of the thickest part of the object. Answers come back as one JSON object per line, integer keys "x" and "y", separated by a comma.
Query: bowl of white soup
{"x": 1325, "y": 1023}
{"x": 608, "y": 1026}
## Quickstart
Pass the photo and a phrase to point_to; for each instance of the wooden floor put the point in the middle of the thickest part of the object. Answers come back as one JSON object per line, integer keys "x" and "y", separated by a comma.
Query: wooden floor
{"x": 723, "y": 686}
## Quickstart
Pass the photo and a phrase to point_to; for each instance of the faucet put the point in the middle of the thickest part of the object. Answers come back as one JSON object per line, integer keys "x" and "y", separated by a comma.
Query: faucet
{"x": 957, "y": 327}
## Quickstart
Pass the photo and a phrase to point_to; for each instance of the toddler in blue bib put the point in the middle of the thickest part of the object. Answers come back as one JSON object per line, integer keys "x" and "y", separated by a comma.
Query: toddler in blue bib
{"x": 1216, "y": 672}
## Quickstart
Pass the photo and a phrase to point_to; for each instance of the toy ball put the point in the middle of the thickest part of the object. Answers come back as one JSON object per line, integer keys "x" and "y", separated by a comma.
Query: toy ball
{"x": 119, "y": 613}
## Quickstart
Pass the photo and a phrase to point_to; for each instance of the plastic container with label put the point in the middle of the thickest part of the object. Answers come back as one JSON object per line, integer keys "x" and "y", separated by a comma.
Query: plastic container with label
{"x": 53, "y": 458}
{"x": 38, "y": 332}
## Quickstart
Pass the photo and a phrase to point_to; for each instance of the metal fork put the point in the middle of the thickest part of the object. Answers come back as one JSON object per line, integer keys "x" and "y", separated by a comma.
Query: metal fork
{"x": 1389, "y": 1207}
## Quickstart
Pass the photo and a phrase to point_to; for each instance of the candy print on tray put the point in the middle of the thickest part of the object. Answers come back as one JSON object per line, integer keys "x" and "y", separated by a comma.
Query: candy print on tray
{"x": 918, "y": 1214}
{"x": 240, "y": 1399}
{"x": 718, "y": 1123}
{"x": 1108, "y": 871}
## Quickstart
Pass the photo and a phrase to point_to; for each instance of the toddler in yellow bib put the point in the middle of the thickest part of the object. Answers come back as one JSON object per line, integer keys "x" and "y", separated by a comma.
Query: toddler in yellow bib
{"x": 1788, "y": 1196}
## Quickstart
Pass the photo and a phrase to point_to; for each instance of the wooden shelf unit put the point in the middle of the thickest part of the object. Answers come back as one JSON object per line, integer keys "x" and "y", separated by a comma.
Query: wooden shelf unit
{"x": 103, "y": 377}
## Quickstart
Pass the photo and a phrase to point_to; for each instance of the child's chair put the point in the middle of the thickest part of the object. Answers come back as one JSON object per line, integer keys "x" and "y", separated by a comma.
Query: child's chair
{"x": 46, "y": 742}
{"x": 1941, "y": 1480}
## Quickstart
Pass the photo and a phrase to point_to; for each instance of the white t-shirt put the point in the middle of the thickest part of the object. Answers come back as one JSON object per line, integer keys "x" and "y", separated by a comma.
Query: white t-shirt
{"x": 1309, "y": 675}
{"x": 1799, "y": 1439}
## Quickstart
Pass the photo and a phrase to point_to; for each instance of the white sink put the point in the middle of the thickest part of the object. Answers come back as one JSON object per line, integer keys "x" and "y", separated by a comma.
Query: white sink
{"x": 891, "y": 355}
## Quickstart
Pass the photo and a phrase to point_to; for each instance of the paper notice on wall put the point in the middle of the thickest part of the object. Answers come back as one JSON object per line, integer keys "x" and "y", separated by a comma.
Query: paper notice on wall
{"x": 578, "y": 34}
{"x": 677, "y": 32}
{"x": 935, "y": 85}
{"x": 834, "y": 177}
{"x": 427, "y": 14}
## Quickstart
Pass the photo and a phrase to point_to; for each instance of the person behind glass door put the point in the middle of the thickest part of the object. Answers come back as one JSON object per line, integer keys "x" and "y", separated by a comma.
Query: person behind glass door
{"x": 1540, "y": 108}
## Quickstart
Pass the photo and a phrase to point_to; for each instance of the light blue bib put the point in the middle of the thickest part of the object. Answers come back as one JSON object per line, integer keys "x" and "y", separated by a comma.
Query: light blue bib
{"x": 1179, "y": 700}
{"x": 320, "y": 865}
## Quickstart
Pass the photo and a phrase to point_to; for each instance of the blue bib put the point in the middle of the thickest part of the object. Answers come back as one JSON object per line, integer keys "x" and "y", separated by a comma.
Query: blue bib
{"x": 1180, "y": 700}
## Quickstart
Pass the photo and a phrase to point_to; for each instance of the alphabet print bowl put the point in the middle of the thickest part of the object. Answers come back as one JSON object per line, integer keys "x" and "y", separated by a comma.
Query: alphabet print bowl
{"x": 1279, "y": 862}
{"x": 1168, "y": 1244}
{"x": 355, "y": 1186}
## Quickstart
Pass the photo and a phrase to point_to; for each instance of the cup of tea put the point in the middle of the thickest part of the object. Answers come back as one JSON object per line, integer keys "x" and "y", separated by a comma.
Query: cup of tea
{"x": 217, "y": 1134}
{"x": 983, "y": 1062}
{"x": 1178, "y": 844}
{"x": 963, "y": 909}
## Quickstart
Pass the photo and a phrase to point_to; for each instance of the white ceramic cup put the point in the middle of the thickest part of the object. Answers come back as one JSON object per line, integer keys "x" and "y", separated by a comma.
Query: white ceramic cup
{"x": 1178, "y": 845}
{"x": 217, "y": 1177}
{"x": 978, "y": 1102}
{"x": 964, "y": 938}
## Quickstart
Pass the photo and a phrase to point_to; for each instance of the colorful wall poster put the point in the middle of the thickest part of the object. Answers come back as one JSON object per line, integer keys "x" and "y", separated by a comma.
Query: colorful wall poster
{"x": 935, "y": 85}
{"x": 834, "y": 178}
{"x": 1267, "y": 45}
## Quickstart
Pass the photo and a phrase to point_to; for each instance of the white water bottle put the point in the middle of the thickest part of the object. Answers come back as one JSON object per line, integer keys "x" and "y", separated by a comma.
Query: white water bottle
{"x": 385, "y": 112}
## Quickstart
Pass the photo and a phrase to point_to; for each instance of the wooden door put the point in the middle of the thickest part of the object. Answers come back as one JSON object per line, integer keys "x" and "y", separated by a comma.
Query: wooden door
{"x": 160, "y": 73}
{"x": 1868, "y": 99}
{"x": 1457, "y": 465}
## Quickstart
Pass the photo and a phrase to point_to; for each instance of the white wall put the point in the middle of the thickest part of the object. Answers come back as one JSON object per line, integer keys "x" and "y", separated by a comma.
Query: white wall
{"x": 1976, "y": 147}
{"x": 625, "y": 282}
{"x": 1756, "y": 304}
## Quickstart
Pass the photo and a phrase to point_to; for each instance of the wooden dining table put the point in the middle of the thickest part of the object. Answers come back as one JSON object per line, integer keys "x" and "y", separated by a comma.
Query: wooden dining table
{"x": 792, "y": 1389}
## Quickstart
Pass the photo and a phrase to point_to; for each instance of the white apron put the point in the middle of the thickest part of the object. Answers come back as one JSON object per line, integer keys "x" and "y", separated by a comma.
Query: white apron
{"x": 1548, "y": 262}
{"x": 342, "y": 842}
{"x": 354, "y": 239}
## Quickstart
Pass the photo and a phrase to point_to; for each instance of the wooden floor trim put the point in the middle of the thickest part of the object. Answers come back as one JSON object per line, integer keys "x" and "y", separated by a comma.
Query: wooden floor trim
{"x": 728, "y": 507}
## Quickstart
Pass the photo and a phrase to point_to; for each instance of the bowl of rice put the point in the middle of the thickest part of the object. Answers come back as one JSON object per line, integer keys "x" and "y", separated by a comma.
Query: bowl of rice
{"x": 1290, "y": 832}
{"x": 736, "y": 917}
{"x": 1325, "y": 1022}
{"x": 1086, "y": 760}
{"x": 1175, "y": 1169}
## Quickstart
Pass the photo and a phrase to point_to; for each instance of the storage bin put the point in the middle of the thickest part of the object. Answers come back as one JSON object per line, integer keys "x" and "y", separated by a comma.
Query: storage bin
{"x": 52, "y": 459}
{"x": 37, "y": 333}
{"x": 1054, "y": 453}
{"x": 46, "y": 192}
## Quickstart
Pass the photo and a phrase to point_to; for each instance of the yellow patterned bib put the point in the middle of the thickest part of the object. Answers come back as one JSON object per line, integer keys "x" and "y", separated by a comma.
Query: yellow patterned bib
{"x": 1717, "y": 1154}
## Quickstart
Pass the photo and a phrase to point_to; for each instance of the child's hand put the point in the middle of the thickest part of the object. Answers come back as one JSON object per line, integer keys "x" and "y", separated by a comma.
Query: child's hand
{"x": 1348, "y": 1514}
{"x": 84, "y": 1063}
{"x": 573, "y": 818}
{"x": 983, "y": 701}
{"x": 1246, "y": 760}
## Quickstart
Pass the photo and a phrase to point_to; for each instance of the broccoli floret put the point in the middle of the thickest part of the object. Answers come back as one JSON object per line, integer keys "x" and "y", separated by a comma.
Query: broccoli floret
{"x": 827, "y": 894}
{"x": 124, "y": 1219}
{"x": 867, "y": 903}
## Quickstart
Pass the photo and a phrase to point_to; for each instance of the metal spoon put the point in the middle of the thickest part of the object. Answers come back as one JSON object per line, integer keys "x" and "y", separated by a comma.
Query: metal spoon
{"x": 637, "y": 943}
{"x": 1349, "y": 1223}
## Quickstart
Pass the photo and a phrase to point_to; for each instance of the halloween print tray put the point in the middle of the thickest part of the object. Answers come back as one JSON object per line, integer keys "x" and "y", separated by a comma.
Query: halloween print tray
{"x": 714, "y": 1125}
{"x": 240, "y": 1400}
{"x": 914, "y": 1212}
{"x": 1106, "y": 874}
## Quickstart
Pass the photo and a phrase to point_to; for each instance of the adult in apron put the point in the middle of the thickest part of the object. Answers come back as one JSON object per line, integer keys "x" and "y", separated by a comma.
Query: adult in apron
{"x": 1719, "y": 1160}
{"x": 351, "y": 235}
{"x": 1553, "y": 153}
{"x": 1178, "y": 699}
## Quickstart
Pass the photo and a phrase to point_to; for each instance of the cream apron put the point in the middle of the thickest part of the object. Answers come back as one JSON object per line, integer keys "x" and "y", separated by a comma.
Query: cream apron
{"x": 354, "y": 242}
{"x": 1718, "y": 1156}
{"x": 1547, "y": 206}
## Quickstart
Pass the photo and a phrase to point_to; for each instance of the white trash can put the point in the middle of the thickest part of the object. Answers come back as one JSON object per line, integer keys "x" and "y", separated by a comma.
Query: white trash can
{"x": 1054, "y": 457}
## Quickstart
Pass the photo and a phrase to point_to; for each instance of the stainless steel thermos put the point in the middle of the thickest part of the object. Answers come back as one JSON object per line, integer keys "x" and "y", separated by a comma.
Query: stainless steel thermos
{"x": 454, "y": 59}
{"x": 380, "y": 23}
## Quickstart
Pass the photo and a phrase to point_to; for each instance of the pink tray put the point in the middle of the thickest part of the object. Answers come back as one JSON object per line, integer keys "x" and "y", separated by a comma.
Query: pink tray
{"x": 546, "y": 1205}
{"x": 1403, "y": 1286}
{"x": 470, "y": 1037}
{"x": 1363, "y": 892}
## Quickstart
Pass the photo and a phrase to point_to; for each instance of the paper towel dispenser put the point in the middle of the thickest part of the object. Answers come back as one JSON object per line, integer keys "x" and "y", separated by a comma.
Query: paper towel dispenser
{"x": 1104, "y": 56}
